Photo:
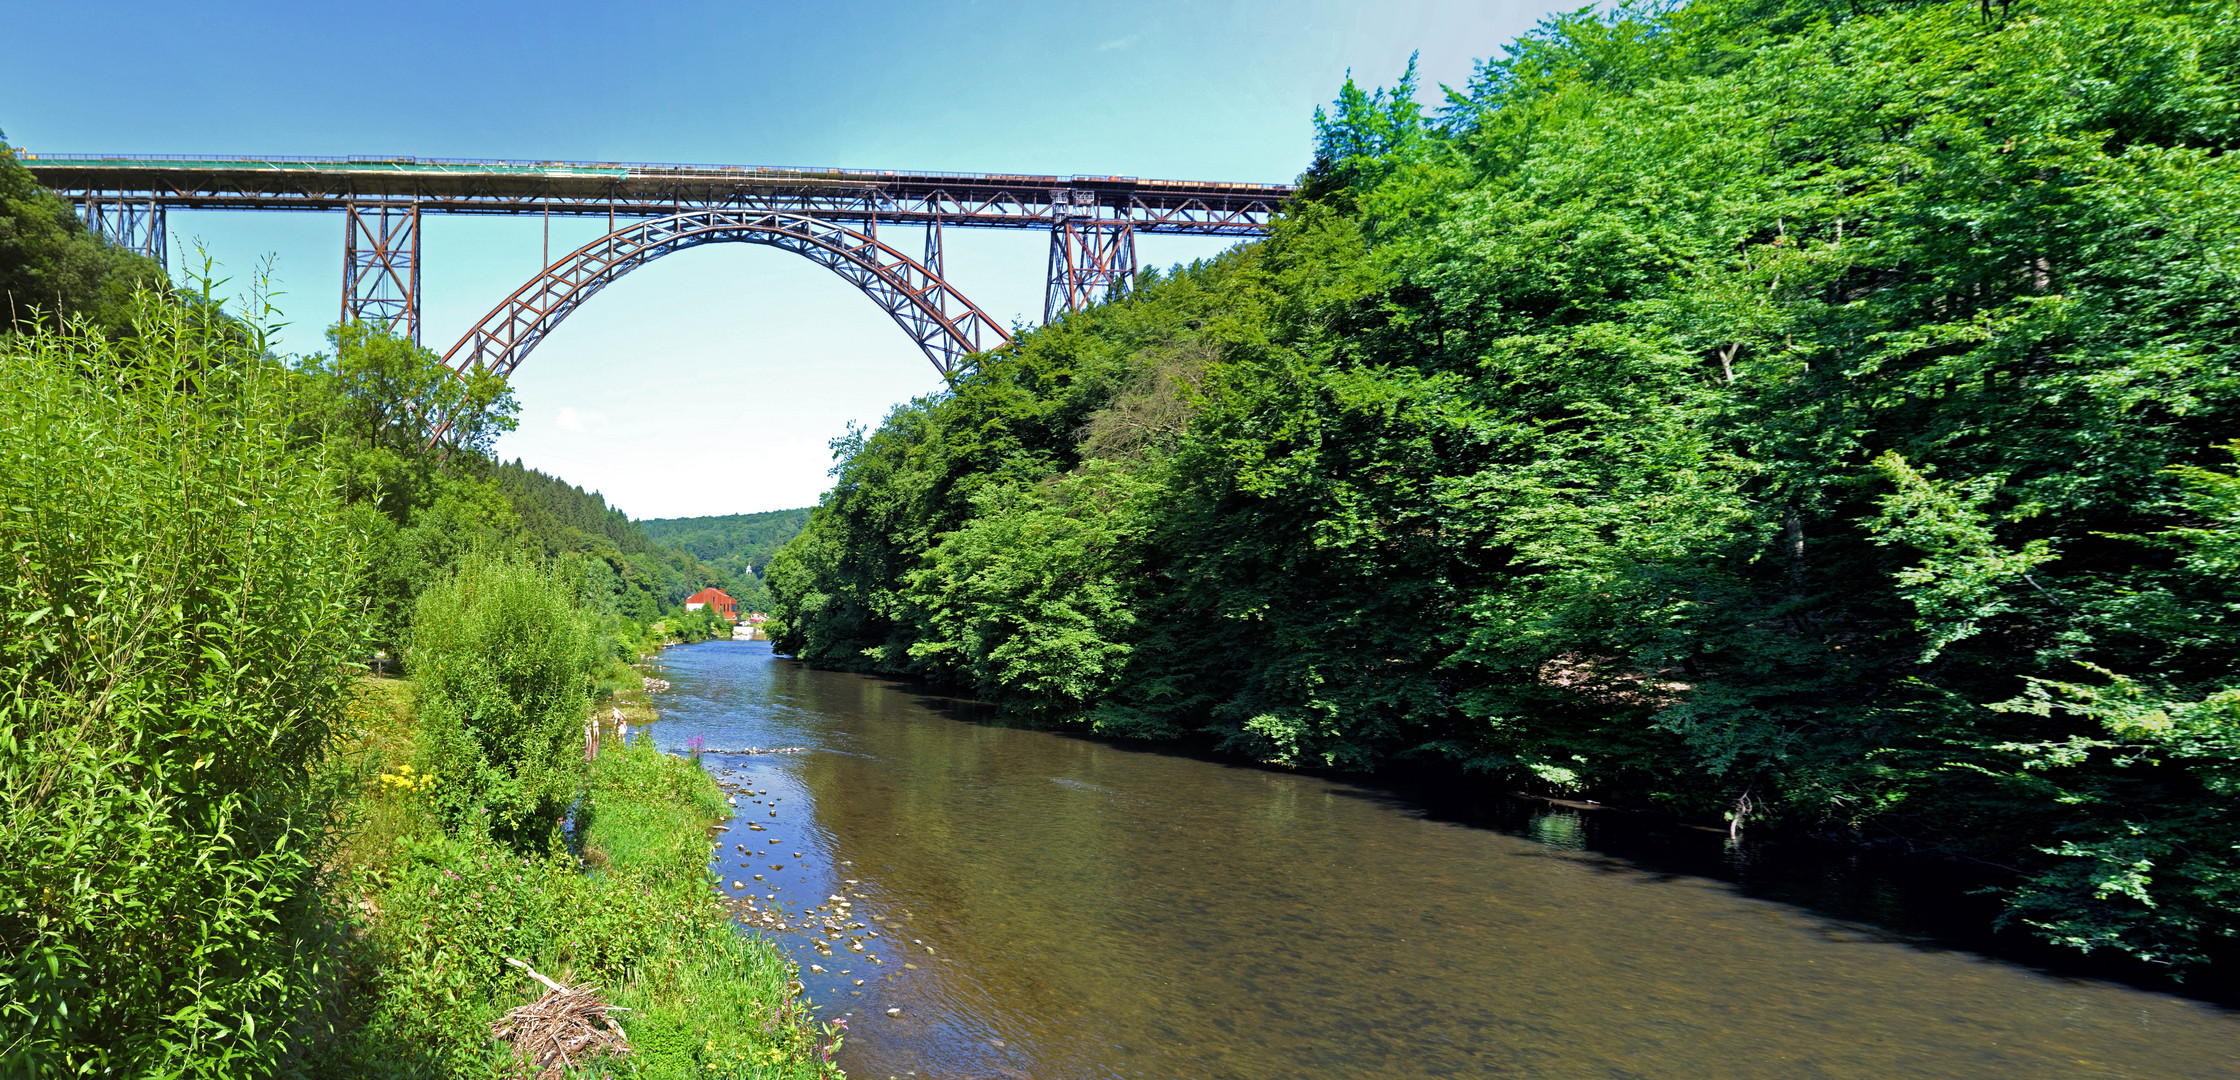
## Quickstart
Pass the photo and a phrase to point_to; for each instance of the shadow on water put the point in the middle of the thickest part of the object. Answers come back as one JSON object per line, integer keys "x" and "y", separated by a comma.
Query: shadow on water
{"x": 1900, "y": 897}
{"x": 1903, "y": 897}
{"x": 983, "y": 898}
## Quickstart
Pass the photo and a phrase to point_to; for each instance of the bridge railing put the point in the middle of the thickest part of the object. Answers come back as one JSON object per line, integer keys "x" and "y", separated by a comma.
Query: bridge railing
{"x": 669, "y": 167}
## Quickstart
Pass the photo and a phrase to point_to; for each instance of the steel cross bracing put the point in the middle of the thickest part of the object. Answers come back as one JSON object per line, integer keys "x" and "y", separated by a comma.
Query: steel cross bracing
{"x": 381, "y": 266}
{"x": 1092, "y": 257}
{"x": 130, "y": 220}
{"x": 1093, "y": 221}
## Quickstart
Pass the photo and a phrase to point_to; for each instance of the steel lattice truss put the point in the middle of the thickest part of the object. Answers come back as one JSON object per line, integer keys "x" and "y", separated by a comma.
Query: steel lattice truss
{"x": 1091, "y": 258}
{"x": 381, "y": 266}
{"x": 855, "y": 196}
{"x": 944, "y": 324}
{"x": 831, "y": 216}
{"x": 131, "y": 220}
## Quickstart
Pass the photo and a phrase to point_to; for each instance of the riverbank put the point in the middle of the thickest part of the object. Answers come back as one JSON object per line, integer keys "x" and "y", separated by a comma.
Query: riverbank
{"x": 625, "y": 905}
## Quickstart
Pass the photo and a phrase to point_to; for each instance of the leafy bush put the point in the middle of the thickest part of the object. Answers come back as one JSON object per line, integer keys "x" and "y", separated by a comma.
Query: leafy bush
{"x": 52, "y": 265}
{"x": 502, "y": 668}
{"x": 176, "y": 608}
{"x": 1031, "y": 602}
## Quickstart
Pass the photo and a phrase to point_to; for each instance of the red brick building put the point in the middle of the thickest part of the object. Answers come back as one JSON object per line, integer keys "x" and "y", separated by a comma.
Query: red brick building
{"x": 724, "y": 604}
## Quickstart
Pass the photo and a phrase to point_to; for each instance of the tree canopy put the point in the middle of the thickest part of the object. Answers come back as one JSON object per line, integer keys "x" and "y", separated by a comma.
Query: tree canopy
{"x": 53, "y": 269}
{"x": 1818, "y": 414}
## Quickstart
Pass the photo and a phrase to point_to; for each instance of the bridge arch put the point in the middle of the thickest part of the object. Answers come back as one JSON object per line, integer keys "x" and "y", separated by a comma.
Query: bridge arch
{"x": 939, "y": 319}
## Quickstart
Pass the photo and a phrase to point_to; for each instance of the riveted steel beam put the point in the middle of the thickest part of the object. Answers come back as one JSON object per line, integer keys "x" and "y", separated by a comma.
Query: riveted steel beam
{"x": 1092, "y": 254}
{"x": 381, "y": 266}
{"x": 853, "y": 196}
{"x": 130, "y": 220}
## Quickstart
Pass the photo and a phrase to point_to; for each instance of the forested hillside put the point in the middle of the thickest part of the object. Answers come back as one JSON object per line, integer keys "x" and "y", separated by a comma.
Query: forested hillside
{"x": 1810, "y": 415}
{"x": 650, "y": 575}
{"x": 740, "y": 545}
{"x": 421, "y": 511}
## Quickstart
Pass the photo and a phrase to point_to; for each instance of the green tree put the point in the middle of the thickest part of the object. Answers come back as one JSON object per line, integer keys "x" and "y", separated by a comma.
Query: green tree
{"x": 177, "y": 618}
{"x": 53, "y": 270}
{"x": 1759, "y": 408}
{"x": 502, "y": 670}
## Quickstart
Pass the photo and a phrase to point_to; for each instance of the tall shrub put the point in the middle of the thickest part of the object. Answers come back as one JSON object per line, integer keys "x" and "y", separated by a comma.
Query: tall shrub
{"x": 176, "y": 610}
{"x": 502, "y": 665}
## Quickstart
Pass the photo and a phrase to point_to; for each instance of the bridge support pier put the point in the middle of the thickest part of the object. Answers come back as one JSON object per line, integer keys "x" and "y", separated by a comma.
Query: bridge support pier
{"x": 1092, "y": 256}
{"x": 381, "y": 265}
{"x": 132, "y": 222}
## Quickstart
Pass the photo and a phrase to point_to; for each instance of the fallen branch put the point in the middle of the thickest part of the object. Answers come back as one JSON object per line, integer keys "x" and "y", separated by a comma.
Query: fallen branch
{"x": 565, "y": 1026}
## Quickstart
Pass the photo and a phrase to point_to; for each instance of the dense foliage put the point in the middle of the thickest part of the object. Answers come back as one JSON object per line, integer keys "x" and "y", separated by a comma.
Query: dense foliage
{"x": 639, "y": 573}
{"x": 1770, "y": 409}
{"x": 424, "y": 507}
{"x": 502, "y": 666}
{"x": 176, "y": 613}
{"x": 53, "y": 270}
{"x": 454, "y": 861}
{"x": 223, "y": 850}
{"x": 739, "y": 545}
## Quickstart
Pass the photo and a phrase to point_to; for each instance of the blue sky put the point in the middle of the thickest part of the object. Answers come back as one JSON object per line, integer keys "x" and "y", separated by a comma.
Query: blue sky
{"x": 708, "y": 382}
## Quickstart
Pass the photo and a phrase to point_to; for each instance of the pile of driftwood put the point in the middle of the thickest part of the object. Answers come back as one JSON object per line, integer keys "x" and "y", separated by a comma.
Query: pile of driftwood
{"x": 560, "y": 1030}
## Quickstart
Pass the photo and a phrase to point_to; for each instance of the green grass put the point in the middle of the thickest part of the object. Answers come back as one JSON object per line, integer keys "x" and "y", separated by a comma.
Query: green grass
{"x": 636, "y": 915}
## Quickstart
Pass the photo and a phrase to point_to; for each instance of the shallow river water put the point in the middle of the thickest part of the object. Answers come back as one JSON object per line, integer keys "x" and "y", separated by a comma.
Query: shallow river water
{"x": 1053, "y": 907}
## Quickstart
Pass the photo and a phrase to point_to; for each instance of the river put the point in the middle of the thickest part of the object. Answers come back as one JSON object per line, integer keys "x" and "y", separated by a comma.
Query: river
{"x": 1061, "y": 908}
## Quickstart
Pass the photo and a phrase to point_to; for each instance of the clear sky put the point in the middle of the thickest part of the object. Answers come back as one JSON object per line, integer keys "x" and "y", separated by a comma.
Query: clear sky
{"x": 708, "y": 382}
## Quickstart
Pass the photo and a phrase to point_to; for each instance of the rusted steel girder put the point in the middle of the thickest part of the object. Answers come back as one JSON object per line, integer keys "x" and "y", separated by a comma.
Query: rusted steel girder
{"x": 1093, "y": 220}
{"x": 381, "y": 266}
{"x": 131, "y": 220}
{"x": 1092, "y": 257}
{"x": 941, "y": 321}
{"x": 853, "y": 196}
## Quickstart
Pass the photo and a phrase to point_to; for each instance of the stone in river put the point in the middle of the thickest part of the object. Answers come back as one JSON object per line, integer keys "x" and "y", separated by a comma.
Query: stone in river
{"x": 894, "y": 1012}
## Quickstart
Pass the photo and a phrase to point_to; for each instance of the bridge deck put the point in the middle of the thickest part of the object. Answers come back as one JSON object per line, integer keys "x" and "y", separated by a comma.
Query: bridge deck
{"x": 629, "y": 189}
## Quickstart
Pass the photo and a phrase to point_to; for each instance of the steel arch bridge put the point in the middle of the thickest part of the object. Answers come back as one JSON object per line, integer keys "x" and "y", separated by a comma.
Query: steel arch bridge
{"x": 941, "y": 321}
{"x": 831, "y": 216}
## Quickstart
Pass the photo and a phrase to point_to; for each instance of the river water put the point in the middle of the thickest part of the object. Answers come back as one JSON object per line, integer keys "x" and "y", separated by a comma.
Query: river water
{"x": 1054, "y": 907}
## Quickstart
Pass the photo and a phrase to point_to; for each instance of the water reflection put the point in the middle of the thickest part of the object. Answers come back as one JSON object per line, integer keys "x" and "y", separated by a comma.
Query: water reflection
{"x": 1557, "y": 828}
{"x": 1040, "y": 906}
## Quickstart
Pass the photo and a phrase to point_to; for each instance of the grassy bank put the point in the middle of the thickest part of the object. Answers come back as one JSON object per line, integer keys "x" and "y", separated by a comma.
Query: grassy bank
{"x": 624, "y": 904}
